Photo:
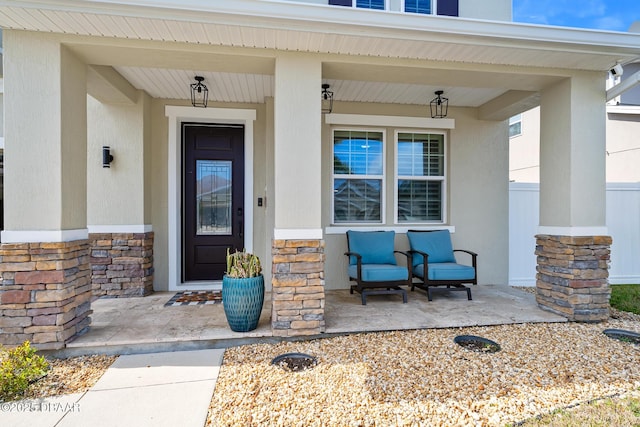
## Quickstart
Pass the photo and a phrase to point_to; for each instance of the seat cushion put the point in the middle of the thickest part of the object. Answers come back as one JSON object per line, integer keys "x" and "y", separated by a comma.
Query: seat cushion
{"x": 446, "y": 271}
{"x": 380, "y": 272}
{"x": 437, "y": 244}
{"x": 376, "y": 247}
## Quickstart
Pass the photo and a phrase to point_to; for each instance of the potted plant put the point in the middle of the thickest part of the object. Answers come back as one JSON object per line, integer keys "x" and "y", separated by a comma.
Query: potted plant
{"x": 242, "y": 291}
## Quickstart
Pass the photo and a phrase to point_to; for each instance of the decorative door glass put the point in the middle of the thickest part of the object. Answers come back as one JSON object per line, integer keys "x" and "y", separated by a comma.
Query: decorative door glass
{"x": 213, "y": 197}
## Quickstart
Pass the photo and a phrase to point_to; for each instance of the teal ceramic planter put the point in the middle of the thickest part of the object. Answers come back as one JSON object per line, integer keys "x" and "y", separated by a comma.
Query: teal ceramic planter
{"x": 242, "y": 299}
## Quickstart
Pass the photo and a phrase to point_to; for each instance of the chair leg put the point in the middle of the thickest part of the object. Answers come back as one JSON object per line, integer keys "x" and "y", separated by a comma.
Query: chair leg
{"x": 469, "y": 294}
{"x": 404, "y": 297}
{"x": 364, "y": 298}
{"x": 429, "y": 293}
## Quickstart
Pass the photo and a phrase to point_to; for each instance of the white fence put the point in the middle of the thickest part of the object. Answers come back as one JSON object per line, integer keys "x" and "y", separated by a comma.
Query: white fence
{"x": 623, "y": 221}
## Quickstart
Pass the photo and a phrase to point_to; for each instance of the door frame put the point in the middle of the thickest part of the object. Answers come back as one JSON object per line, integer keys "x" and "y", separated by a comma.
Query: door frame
{"x": 176, "y": 115}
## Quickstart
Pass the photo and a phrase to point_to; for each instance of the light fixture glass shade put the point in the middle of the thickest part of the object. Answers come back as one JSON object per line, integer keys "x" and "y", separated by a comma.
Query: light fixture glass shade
{"x": 199, "y": 93}
{"x": 327, "y": 99}
{"x": 439, "y": 106}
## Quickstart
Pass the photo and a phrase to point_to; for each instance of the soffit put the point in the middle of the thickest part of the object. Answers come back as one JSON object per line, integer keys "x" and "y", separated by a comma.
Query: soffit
{"x": 326, "y": 29}
{"x": 159, "y": 47}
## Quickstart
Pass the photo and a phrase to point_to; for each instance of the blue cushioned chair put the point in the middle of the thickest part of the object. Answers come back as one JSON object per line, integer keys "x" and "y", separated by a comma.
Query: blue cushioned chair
{"x": 373, "y": 266}
{"x": 434, "y": 263}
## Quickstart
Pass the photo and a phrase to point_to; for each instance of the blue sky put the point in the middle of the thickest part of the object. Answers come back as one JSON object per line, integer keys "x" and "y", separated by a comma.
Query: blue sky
{"x": 609, "y": 15}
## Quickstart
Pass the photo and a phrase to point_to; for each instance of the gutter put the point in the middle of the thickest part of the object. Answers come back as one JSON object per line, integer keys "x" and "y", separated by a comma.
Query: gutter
{"x": 348, "y": 21}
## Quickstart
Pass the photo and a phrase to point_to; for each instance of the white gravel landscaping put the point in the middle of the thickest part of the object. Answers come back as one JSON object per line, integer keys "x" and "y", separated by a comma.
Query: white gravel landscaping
{"x": 422, "y": 378}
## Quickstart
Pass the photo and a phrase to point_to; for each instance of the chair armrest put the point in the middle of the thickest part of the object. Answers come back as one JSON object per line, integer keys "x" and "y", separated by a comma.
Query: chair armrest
{"x": 355, "y": 254}
{"x": 425, "y": 256}
{"x": 473, "y": 255}
{"x": 358, "y": 262}
{"x": 409, "y": 260}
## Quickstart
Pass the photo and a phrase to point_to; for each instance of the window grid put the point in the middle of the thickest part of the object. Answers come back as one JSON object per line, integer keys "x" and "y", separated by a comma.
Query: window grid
{"x": 370, "y": 4}
{"x": 418, "y": 6}
{"x": 358, "y": 176}
{"x": 515, "y": 125}
{"x": 420, "y": 180}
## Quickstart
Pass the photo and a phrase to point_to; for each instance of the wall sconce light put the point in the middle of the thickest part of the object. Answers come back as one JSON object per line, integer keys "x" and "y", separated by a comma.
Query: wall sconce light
{"x": 327, "y": 99}
{"x": 107, "y": 158}
{"x": 199, "y": 93}
{"x": 439, "y": 105}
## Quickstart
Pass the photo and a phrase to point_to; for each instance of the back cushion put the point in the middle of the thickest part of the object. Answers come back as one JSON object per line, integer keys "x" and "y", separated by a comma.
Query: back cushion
{"x": 376, "y": 247}
{"x": 437, "y": 244}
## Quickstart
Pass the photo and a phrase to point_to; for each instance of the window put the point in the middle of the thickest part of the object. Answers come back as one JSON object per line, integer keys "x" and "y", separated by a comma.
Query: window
{"x": 358, "y": 176}
{"x": 420, "y": 177}
{"x": 370, "y": 4}
{"x": 417, "y": 6}
{"x": 515, "y": 125}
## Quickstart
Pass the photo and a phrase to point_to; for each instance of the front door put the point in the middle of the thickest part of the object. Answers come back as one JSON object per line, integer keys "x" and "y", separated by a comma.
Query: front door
{"x": 213, "y": 198}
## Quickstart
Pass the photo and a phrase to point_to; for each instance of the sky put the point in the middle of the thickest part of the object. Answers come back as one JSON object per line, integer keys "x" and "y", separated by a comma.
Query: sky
{"x": 608, "y": 15}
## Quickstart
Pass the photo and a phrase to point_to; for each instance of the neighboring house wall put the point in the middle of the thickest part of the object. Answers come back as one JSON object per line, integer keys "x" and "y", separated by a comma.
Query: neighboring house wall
{"x": 623, "y": 222}
{"x": 622, "y": 152}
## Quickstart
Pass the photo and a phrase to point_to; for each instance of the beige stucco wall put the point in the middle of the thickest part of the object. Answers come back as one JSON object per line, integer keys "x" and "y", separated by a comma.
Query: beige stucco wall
{"x": 524, "y": 149}
{"x": 159, "y": 187}
{"x": 118, "y": 195}
{"x": 495, "y": 10}
{"x": 45, "y": 151}
{"x": 477, "y": 185}
{"x": 622, "y": 148}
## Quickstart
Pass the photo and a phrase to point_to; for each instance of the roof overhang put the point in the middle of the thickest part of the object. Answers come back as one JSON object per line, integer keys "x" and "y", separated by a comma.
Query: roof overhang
{"x": 308, "y": 27}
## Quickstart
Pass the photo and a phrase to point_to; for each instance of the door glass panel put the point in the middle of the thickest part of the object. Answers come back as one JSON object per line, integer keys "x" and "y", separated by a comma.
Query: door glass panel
{"x": 213, "y": 197}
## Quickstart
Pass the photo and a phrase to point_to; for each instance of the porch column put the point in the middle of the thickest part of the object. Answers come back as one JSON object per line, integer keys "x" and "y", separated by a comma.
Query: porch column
{"x": 573, "y": 247}
{"x": 298, "y": 246}
{"x": 44, "y": 267}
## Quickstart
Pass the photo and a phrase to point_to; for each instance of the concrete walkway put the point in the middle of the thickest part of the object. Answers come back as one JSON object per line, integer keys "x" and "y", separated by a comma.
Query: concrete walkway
{"x": 158, "y": 389}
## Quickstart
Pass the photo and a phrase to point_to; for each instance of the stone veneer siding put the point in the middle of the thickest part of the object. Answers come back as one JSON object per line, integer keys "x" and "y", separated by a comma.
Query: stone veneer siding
{"x": 121, "y": 264}
{"x": 297, "y": 287}
{"x": 45, "y": 294}
{"x": 572, "y": 277}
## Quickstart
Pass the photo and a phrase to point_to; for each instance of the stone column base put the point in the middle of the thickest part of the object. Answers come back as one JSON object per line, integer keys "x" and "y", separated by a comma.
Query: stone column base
{"x": 572, "y": 277}
{"x": 121, "y": 264}
{"x": 297, "y": 287}
{"x": 45, "y": 294}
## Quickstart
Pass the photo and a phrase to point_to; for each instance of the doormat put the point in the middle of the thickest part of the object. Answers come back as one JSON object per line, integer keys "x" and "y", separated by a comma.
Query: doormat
{"x": 195, "y": 298}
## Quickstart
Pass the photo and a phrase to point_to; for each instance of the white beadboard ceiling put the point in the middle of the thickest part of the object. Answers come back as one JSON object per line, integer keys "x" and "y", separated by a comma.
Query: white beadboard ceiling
{"x": 479, "y": 57}
{"x": 253, "y": 88}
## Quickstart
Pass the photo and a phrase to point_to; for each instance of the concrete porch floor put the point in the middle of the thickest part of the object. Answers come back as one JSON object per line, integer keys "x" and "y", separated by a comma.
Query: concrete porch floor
{"x": 140, "y": 325}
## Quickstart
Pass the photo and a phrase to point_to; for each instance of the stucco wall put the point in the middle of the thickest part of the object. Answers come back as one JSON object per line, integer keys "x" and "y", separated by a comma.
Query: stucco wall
{"x": 623, "y": 147}
{"x": 159, "y": 178}
{"x": 116, "y": 195}
{"x": 622, "y": 153}
{"x": 477, "y": 184}
{"x": 495, "y": 10}
{"x": 47, "y": 148}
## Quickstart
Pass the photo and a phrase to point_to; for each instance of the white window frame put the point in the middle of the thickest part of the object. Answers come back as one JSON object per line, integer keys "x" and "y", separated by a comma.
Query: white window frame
{"x": 433, "y": 8}
{"x": 341, "y": 176}
{"x": 511, "y": 123}
{"x": 442, "y": 179}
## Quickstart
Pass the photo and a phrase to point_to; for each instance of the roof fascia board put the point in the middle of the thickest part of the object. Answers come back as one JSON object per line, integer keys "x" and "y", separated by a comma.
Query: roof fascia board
{"x": 302, "y": 16}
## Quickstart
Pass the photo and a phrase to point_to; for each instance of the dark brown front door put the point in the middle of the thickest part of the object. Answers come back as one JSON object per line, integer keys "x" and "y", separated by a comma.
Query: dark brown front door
{"x": 213, "y": 198}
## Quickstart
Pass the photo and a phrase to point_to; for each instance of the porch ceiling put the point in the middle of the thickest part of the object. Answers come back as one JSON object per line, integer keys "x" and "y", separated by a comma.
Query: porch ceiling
{"x": 473, "y": 61}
